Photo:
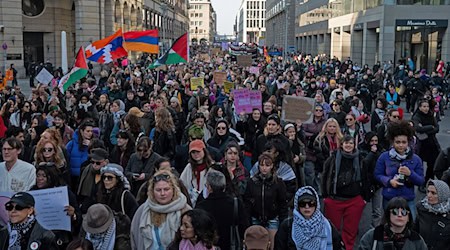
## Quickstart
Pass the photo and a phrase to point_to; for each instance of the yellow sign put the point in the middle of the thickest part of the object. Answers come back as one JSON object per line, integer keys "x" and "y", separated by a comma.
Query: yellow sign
{"x": 228, "y": 86}
{"x": 197, "y": 82}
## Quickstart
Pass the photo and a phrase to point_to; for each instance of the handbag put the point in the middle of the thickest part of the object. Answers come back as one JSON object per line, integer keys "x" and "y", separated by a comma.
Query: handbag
{"x": 122, "y": 205}
{"x": 235, "y": 241}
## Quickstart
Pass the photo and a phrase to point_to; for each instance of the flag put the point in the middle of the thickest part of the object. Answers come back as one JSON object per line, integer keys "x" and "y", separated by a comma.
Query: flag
{"x": 266, "y": 55}
{"x": 79, "y": 70}
{"x": 178, "y": 53}
{"x": 145, "y": 41}
{"x": 107, "y": 49}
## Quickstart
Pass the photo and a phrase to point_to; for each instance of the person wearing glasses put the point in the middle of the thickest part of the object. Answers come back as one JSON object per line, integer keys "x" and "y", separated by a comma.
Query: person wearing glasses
{"x": 15, "y": 174}
{"x": 48, "y": 152}
{"x": 157, "y": 220}
{"x": 222, "y": 136}
{"x": 308, "y": 228}
{"x": 22, "y": 117}
{"x": 392, "y": 115}
{"x": 433, "y": 215}
{"x": 90, "y": 180}
{"x": 396, "y": 231}
{"x": 399, "y": 169}
{"x": 23, "y": 230}
{"x": 114, "y": 191}
{"x": 337, "y": 112}
{"x": 353, "y": 128}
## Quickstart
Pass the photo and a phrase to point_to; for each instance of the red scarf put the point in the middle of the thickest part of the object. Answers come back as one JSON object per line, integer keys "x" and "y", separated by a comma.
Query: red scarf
{"x": 332, "y": 142}
{"x": 197, "y": 170}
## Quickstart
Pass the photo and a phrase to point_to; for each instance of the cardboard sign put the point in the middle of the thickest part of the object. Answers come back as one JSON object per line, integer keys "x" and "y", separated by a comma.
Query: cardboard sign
{"x": 254, "y": 70}
{"x": 216, "y": 51}
{"x": 205, "y": 57}
{"x": 220, "y": 77}
{"x": 246, "y": 100}
{"x": 228, "y": 86}
{"x": 297, "y": 108}
{"x": 244, "y": 60}
{"x": 219, "y": 60}
{"x": 197, "y": 82}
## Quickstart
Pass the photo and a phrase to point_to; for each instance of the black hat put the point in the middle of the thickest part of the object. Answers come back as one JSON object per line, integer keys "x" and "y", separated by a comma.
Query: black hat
{"x": 23, "y": 199}
{"x": 307, "y": 196}
{"x": 99, "y": 154}
{"x": 275, "y": 118}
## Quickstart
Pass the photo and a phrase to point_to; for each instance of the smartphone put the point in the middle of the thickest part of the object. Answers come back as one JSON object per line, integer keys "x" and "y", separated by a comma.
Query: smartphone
{"x": 136, "y": 175}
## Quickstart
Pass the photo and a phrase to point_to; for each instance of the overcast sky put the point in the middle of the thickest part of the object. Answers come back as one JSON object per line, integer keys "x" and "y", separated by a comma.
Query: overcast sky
{"x": 226, "y": 11}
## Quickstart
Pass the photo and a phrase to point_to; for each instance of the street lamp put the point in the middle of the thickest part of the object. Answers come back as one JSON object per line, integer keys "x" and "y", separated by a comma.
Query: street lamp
{"x": 164, "y": 12}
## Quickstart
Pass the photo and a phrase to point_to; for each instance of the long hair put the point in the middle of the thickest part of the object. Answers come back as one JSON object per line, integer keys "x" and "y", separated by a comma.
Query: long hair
{"x": 56, "y": 135}
{"x": 52, "y": 173}
{"x": 164, "y": 121}
{"x": 323, "y": 133}
{"x": 205, "y": 228}
{"x": 84, "y": 124}
{"x": 57, "y": 156}
{"x": 206, "y": 159}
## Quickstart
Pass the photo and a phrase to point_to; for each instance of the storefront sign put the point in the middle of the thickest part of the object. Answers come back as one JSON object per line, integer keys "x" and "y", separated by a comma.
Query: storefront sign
{"x": 14, "y": 56}
{"x": 422, "y": 22}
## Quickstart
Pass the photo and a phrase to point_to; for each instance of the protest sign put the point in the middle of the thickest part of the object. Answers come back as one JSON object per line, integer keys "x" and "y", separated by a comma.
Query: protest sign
{"x": 228, "y": 86}
{"x": 256, "y": 99}
{"x": 244, "y": 60}
{"x": 197, "y": 82}
{"x": 205, "y": 57}
{"x": 216, "y": 51}
{"x": 49, "y": 206}
{"x": 44, "y": 76}
{"x": 254, "y": 70}
{"x": 219, "y": 60}
{"x": 220, "y": 77}
{"x": 246, "y": 100}
{"x": 297, "y": 108}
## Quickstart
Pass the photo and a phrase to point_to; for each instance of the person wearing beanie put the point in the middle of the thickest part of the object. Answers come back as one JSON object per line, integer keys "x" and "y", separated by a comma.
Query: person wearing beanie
{"x": 308, "y": 229}
{"x": 114, "y": 190}
{"x": 433, "y": 220}
{"x": 23, "y": 230}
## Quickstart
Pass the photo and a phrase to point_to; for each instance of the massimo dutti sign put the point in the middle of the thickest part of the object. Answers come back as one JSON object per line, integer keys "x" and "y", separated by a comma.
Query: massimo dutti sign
{"x": 422, "y": 22}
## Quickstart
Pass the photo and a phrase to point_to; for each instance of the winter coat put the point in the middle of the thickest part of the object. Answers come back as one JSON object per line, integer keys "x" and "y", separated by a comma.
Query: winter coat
{"x": 426, "y": 124}
{"x": 375, "y": 236}
{"x": 434, "y": 228}
{"x": 311, "y": 131}
{"x": 76, "y": 155}
{"x": 387, "y": 168}
{"x": 164, "y": 143}
{"x": 250, "y": 129}
{"x": 442, "y": 163}
{"x": 261, "y": 141}
{"x": 221, "y": 142}
{"x": 136, "y": 166}
{"x": 265, "y": 199}
{"x": 44, "y": 238}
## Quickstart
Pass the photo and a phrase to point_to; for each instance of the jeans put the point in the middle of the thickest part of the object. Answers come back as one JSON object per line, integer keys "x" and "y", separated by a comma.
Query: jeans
{"x": 271, "y": 224}
{"x": 377, "y": 207}
{"x": 411, "y": 205}
{"x": 311, "y": 177}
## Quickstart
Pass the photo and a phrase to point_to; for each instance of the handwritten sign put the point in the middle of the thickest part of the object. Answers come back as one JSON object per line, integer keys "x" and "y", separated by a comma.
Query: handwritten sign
{"x": 49, "y": 206}
{"x": 246, "y": 100}
{"x": 244, "y": 60}
{"x": 228, "y": 86}
{"x": 254, "y": 70}
{"x": 216, "y": 51}
{"x": 197, "y": 82}
{"x": 205, "y": 57}
{"x": 256, "y": 99}
{"x": 220, "y": 77}
{"x": 44, "y": 76}
{"x": 297, "y": 108}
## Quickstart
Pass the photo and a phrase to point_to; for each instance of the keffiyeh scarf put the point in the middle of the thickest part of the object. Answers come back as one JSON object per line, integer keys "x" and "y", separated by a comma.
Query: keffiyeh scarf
{"x": 17, "y": 232}
{"x": 104, "y": 241}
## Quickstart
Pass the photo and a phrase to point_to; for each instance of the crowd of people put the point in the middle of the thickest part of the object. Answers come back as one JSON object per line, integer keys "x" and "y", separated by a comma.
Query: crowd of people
{"x": 151, "y": 164}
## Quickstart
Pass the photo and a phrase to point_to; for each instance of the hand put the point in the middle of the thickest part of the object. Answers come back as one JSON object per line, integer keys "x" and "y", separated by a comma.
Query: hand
{"x": 404, "y": 170}
{"x": 141, "y": 177}
{"x": 394, "y": 183}
{"x": 298, "y": 122}
{"x": 70, "y": 210}
{"x": 296, "y": 159}
{"x": 373, "y": 148}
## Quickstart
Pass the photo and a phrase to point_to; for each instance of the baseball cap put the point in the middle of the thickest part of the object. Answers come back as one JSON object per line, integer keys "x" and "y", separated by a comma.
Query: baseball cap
{"x": 23, "y": 199}
{"x": 197, "y": 145}
{"x": 256, "y": 238}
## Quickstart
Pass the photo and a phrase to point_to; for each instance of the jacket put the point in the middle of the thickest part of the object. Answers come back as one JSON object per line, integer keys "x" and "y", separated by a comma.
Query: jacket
{"x": 265, "y": 199}
{"x": 311, "y": 130}
{"x": 434, "y": 228}
{"x": 375, "y": 236}
{"x": 76, "y": 156}
{"x": 44, "y": 238}
{"x": 221, "y": 207}
{"x": 442, "y": 163}
{"x": 136, "y": 166}
{"x": 164, "y": 143}
{"x": 261, "y": 141}
{"x": 387, "y": 168}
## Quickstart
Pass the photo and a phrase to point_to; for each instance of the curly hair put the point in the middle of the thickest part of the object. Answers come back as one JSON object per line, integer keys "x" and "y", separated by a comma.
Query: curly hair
{"x": 205, "y": 228}
{"x": 58, "y": 156}
{"x": 400, "y": 128}
{"x": 55, "y": 135}
{"x": 133, "y": 122}
{"x": 164, "y": 121}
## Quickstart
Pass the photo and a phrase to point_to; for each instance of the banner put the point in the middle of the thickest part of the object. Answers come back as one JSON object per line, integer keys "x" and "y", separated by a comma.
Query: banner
{"x": 297, "y": 108}
{"x": 197, "y": 82}
{"x": 246, "y": 100}
{"x": 220, "y": 77}
{"x": 244, "y": 60}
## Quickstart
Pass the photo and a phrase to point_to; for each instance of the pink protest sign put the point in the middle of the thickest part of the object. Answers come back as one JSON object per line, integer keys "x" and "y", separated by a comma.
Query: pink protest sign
{"x": 256, "y": 99}
{"x": 242, "y": 101}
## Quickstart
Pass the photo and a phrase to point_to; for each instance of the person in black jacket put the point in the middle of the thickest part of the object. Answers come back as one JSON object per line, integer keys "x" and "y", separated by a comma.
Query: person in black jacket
{"x": 125, "y": 147}
{"x": 222, "y": 136}
{"x": 228, "y": 211}
{"x": 164, "y": 137}
{"x": 442, "y": 164}
{"x": 24, "y": 231}
{"x": 265, "y": 197}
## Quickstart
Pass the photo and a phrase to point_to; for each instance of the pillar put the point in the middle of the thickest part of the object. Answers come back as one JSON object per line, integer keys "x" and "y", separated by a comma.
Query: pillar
{"x": 356, "y": 46}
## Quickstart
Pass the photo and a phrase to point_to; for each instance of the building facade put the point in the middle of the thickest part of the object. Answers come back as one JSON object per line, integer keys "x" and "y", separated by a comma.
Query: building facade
{"x": 251, "y": 21}
{"x": 203, "y": 21}
{"x": 280, "y": 23}
{"x": 31, "y": 30}
{"x": 375, "y": 30}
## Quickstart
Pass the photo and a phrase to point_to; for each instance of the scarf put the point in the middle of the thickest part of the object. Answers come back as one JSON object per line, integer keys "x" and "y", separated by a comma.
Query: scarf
{"x": 87, "y": 182}
{"x": 394, "y": 155}
{"x": 308, "y": 233}
{"x": 85, "y": 106}
{"x": 197, "y": 170}
{"x": 398, "y": 239}
{"x": 333, "y": 143}
{"x": 18, "y": 233}
{"x": 173, "y": 212}
{"x": 105, "y": 240}
{"x": 356, "y": 167}
{"x": 380, "y": 113}
{"x": 443, "y": 193}
{"x": 187, "y": 245}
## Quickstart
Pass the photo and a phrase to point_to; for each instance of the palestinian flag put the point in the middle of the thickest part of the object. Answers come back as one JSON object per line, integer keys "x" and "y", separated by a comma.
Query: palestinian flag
{"x": 79, "y": 70}
{"x": 178, "y": 53}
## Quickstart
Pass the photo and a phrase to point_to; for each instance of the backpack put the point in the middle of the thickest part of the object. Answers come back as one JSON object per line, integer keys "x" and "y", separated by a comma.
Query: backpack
{"x": 123, "y": 225}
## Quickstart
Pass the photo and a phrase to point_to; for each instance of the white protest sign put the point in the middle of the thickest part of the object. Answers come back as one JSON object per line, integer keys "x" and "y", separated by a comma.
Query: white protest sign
{"x": 44, "y": 76}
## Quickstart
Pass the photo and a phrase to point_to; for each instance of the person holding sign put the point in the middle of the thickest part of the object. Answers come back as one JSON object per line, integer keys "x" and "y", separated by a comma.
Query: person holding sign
{"x": 24, "y": 231}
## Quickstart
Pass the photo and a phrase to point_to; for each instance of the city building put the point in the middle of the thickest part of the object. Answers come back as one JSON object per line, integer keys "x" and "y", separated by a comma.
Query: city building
{"x": 280, "y": 24}
{"x": 203, "y": 21}
{"x": 251, "y": 21}
{"x": 31, "y": 30}
{"x": 368, "y": 31}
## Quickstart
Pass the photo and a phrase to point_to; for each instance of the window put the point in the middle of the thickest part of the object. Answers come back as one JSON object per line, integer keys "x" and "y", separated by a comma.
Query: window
{"x": 192, "y": 22}
{"x": 200, "y": 14}
{"x": 200, "y": 23}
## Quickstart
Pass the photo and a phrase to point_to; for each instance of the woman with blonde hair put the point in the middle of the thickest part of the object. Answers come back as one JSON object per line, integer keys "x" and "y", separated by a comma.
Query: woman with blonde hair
{"x": 48, "y": 153}
{"x": 327, "y": 141}
{"x": 157, "y": 220}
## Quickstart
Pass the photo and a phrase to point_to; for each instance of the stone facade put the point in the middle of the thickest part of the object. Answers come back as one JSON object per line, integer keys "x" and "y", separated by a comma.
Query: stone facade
{"x": 38, "y": 38}
{"x": 203, "y": 21}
